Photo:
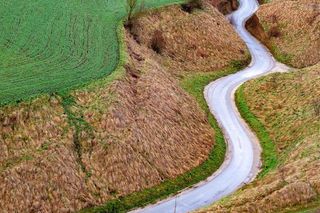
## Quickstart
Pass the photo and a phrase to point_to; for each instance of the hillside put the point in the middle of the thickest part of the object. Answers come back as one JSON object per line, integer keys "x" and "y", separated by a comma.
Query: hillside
{"x": 194, "y": 42}
{"x": 129, "y": 131}
{"x": 293, "y": 30}
{"x": 284, "y": 108}
{"x": 288, "y": 107}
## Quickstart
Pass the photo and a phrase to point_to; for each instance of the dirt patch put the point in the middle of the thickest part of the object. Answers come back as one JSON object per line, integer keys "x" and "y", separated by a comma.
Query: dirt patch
{"x": 225, "y": 6}
{"x": 256, "y": 29}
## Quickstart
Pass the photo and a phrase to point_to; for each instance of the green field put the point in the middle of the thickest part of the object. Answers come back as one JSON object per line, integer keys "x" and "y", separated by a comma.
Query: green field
{"x": 52, "y": 45}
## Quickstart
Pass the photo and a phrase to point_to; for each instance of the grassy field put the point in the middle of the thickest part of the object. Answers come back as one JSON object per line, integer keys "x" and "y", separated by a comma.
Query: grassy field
{"x": 48, "y": 46}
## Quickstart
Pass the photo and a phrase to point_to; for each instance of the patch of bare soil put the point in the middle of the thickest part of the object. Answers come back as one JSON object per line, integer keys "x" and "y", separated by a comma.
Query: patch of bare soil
{"x": 289, "y": 107}
{"x": 200, "y": 41}
{"x": 254, "y": 26}
{"x": 294, "y": 28}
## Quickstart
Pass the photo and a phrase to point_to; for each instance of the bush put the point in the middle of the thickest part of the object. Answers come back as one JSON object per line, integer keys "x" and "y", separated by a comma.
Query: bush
{"x": 158, "y": 42}
{"x": 316, "y": 107}
{"x": 191, "y": 6}
{"x": 274, "y": 32}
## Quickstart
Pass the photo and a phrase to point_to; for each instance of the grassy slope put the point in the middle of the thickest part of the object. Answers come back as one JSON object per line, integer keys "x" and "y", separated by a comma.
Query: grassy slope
{"x": 193, "y": 84}
{"x": 304, "y": 126}
{"x": 51, "y": 85}
{"x": 269, "y": 154}
{"x": 284, "y": 110}
{"x": 296, "y": 32}
{"x": 47, "y": 46}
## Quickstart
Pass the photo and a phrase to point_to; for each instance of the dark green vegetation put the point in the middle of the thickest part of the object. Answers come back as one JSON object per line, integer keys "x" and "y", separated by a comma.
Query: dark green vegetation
{"x": 78, "y": 124}
{"x": 269, "y": 154}
{"x": 194, "y": 84}
{"x": 48, "y": 46}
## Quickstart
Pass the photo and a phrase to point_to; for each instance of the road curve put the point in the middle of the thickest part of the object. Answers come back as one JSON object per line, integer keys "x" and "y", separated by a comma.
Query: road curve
{"x": 243, "y": 155}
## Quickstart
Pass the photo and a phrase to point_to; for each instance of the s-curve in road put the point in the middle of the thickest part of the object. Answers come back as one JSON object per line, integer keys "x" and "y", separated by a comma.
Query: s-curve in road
{"x": 243, "y": 155}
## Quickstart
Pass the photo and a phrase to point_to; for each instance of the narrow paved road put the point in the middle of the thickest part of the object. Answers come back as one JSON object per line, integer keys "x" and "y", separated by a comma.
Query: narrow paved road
{"x": 243, "y": 155}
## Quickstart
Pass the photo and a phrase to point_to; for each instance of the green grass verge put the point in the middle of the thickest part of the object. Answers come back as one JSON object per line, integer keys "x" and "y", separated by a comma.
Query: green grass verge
{"x": 269, "y": 154}
{"x": 194, "y": 84}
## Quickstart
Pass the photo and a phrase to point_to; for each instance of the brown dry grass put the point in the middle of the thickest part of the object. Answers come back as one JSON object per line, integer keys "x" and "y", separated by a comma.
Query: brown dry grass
{"x": 153, "y": 131}
{"x": 298, "y": 29}
{"x": 38, "y": 168}
{"x": 284, "y": 103}
{"x": 198, "y": 42}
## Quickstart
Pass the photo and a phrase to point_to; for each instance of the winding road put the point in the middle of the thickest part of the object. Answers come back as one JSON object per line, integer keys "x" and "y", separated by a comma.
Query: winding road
{"x": 242, "y": 162}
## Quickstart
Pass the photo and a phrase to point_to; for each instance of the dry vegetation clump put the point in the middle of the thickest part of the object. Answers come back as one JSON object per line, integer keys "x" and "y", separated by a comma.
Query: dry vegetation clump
{"x": 284, "y": 103}
{"x": 38, "y": 167}
{"x": 294, "y": 28}
{"x": 198, "y": 42}
{"x": 158, "y": 43}
{"x": 152, "y": 131}
{"x": 191, "y": 6}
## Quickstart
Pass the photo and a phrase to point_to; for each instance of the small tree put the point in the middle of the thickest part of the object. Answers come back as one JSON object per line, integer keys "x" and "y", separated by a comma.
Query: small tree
{"x": 191, "y": 5}
{"x": 131, "y": 5}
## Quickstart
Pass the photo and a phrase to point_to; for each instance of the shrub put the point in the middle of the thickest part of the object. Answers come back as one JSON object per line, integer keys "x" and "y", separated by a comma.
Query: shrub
{"x": 158, "y": 42}
{"x": 316, "y": 106}
{"x": 191, "y": 6}
{"x": 274, "y": 32}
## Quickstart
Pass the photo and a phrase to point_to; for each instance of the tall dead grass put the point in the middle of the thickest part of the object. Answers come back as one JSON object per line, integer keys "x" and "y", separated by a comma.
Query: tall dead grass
{"x": 198, "y": 42}
{"x": 295, "y": 32}
{"x": 153, "y": 131}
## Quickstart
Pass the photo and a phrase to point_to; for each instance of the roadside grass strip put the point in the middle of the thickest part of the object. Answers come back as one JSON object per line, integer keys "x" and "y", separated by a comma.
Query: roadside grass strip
{"x": 269, "y": 154}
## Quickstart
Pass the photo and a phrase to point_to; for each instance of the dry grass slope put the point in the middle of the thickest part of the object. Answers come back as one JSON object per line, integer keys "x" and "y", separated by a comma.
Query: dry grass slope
{"x": 294, "y": 27}
{"x": 288, "y": 106}
{"x": 144, "y": 129}
{"x": 153, "y": 131}
{"x": 201, "y": 41}
{"x": 38, "y": 167}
